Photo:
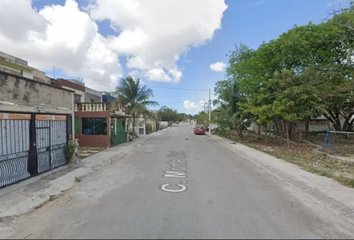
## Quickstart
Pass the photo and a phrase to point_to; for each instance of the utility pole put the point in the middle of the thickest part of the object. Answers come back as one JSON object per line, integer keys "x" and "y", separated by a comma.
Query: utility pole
{"x": 54, "y": 72}
{"x": 209, "y": 112}
{"x": 204, "y": 114}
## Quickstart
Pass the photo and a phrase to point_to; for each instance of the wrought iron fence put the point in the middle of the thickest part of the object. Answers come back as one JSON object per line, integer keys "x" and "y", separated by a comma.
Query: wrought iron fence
{"x": 30, "y": 147}
{"x": 15, "y": 167}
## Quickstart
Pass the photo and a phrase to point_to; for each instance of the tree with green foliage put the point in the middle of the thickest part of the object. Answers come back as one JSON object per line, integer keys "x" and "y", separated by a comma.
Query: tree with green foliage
{"x": 129, "y": 92}
{"x": 228, "y": 114}
{"x": 319, "y": 55}
{"x": 167, "y": 114}
{"x": 293, "y": 99}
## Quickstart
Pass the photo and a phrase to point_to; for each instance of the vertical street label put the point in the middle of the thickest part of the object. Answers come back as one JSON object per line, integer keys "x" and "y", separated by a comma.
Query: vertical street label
{"x": 178, "y": 169}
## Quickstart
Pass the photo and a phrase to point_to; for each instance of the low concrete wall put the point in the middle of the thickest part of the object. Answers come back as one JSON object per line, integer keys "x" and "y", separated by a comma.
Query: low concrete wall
{"x": 164, "y": 123}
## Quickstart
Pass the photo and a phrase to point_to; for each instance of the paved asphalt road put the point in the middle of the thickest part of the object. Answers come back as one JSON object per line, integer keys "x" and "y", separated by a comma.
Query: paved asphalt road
{"x": 207, "y": 192}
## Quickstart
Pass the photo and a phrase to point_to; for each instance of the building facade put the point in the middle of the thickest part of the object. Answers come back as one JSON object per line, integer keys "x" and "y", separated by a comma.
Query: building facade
{"x": 17, "y": 66}
{"x": 99, "y": 125}
{"x": 107, "y": 98}
{"x": 92, "y": 95}
{"x": 78, "y": 88}
{"x": 144, "y": 125}
{"x": 35, "y": 127}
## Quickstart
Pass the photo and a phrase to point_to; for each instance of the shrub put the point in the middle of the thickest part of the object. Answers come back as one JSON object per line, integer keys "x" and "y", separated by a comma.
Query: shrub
{"x": 69, "y": 151}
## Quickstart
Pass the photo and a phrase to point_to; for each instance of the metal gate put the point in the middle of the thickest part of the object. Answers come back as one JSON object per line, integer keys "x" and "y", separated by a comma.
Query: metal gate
{"x": 118, "y": 135}
{"x": 30, "y": 144}
{"x": 51, "y": 141}
{"x": 14, "y": 150}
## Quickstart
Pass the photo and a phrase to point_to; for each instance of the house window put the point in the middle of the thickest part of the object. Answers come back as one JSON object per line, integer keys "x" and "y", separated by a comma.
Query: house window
{"x": 94, "y": 126}
{"x": 77, "y": 98}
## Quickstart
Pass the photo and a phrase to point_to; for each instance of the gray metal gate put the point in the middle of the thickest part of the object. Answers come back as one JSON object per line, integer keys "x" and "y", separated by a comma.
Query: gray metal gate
{"x": 30, "y": 146}
{"x": 14, "y": 150}
{"x": 51, "y": 141}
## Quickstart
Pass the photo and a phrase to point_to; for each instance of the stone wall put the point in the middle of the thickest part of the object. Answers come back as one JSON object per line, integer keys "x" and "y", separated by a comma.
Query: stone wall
{"x": 30, "y": 93}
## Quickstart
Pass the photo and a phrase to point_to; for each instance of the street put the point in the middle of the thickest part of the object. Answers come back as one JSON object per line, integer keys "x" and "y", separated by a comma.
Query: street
{"x": 178, "y": 185}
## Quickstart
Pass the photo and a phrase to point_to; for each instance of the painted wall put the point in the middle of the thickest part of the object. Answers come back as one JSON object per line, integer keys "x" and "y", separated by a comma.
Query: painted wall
{"x": 92, "y": 98}
{"x": 93, "y": 140}
{"x": 92, "y": 95}
{"x": 164, "y": 123}
{"x": 28, "y": 74}
{"x": 139, "y": 123}
{"x": 10, "y": 70}
{"x": 78, "y": 92}
{"x": 39, "y": 76}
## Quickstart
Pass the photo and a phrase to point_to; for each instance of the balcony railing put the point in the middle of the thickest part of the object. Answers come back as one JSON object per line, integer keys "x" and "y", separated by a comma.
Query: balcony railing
{"x": 93, "y": 107}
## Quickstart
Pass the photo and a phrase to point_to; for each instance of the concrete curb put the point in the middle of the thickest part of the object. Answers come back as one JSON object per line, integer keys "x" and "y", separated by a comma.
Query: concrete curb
{"x": 335, "y": 197}
{"x": 64, "y": 183}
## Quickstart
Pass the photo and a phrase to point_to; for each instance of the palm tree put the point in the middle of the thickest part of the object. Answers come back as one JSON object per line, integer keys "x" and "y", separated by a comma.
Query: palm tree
{"x": 129, "y": 92}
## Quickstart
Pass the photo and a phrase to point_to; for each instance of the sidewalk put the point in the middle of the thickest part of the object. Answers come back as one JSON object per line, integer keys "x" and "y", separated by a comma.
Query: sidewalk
{"x": 30, "y": 194}
{"x": 334, "y": 196}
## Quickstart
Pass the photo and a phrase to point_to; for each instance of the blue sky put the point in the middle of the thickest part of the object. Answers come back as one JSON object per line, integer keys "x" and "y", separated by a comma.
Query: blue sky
{"x": 250, "y": 22}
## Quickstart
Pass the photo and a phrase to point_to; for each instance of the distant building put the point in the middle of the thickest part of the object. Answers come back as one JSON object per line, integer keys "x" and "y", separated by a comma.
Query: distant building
{"x": 100, "y": 125}
{"x": 78, "y": 88}
{"x": 144, "y": 125}
{"x": 107, "y": 98}
{"x": 13, "y": 65}
{"x": 92, "y": 95}
{"x": 82, "y": 93}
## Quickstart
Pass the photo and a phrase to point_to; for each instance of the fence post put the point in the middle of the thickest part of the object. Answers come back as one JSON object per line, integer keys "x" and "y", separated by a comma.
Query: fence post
{"x": 32, "y": 156}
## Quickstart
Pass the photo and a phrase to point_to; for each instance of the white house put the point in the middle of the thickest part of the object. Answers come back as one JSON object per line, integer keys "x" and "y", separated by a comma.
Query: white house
{"x": 143, "y": 126}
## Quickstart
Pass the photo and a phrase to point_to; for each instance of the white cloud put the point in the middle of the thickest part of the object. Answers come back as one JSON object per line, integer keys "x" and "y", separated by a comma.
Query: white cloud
{"x": 159, "y": 74}
{"x": 217, "y": 67}
{"x": 60, "y": 36}
{"x": 134, "y": 73}
{"x": 153, "y": 34}
{"x": 192, "y": 107}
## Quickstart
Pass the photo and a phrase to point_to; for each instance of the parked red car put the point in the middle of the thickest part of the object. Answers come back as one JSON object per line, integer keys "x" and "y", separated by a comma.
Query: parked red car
{"x": 199, "y": 130}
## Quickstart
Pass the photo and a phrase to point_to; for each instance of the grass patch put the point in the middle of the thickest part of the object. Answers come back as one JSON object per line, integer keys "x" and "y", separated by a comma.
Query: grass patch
{"x": 343, "y": 144}
{"x": 303, "y": 156}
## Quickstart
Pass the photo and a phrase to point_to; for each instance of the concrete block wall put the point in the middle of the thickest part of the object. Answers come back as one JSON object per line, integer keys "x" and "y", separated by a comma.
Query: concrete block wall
{"x": 26, "y": 92}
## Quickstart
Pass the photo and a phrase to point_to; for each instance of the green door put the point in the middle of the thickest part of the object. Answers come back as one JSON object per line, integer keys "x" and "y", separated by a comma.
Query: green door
{"x": 76, "y": 123}
{"x": 120, "y": 132}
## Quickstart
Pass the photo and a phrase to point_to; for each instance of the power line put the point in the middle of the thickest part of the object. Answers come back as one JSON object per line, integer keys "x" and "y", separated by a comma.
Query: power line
{"x": 169, "y": 102}
{"x": 187, "y": 89}
{"x": 186, "y": 96}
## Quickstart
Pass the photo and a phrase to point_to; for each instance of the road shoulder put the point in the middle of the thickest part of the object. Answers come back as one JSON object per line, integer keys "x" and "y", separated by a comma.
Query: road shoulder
{"x": 28, "y": 195}
{"x": 335, "y": 197}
